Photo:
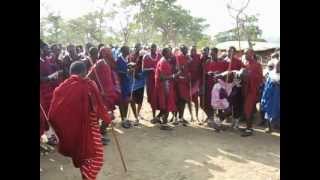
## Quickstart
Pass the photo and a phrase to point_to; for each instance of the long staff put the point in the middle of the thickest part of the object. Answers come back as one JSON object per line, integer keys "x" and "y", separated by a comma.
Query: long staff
{"x": 112, "y": 129}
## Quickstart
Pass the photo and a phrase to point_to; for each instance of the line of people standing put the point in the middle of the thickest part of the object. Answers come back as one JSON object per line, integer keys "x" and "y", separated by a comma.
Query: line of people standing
{"x": 173, "y": 79}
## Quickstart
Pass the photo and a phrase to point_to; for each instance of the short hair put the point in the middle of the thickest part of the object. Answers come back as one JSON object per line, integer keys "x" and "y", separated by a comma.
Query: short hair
{"x": 123, "y": 48}
{"x": 214, "y": 49}
{"x": 77, "y": 68}
{"x": 205, "y": 49}
{"x": 153, "y": 45}
{"x": 100, "y": 45}
{"x": 165, "y": 50}
{"x": 232, "y": 47}
{"x": 92, "y": 49}
{"x": 183, "y": 47}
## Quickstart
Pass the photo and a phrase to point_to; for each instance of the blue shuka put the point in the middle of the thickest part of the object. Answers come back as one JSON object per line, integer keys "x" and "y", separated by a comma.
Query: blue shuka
{"x": 126, "y": 80}
{"x": 270, "y": 101}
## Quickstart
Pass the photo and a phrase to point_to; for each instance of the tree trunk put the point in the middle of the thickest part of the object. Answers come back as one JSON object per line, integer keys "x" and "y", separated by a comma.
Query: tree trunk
{"x": 238, "y": 32}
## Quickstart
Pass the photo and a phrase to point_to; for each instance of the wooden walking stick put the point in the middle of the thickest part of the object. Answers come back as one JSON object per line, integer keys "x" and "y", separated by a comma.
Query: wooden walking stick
{"x": 131, "y": 92}
{"x": 47, "y": 119}
{"x": 203, "y": 89}
{"x": 112, "y": 129}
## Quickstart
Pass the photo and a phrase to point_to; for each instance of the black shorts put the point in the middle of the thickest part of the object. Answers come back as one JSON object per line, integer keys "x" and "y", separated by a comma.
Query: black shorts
{"x": 137, "y": 95}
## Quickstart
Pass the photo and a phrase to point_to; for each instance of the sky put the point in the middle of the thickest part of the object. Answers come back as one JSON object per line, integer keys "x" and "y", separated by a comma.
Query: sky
{"x": 214, "y": 11}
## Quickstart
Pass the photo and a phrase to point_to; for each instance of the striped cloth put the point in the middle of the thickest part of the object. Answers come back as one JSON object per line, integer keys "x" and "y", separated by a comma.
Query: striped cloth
{"x": 91, "y": 167}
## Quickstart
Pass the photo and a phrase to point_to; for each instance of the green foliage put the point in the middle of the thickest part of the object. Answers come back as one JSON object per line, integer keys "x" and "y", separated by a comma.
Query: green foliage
{"x": 205, "y": 41}
{"x": 157, "y": 21}
{"x": 249, "y": 31}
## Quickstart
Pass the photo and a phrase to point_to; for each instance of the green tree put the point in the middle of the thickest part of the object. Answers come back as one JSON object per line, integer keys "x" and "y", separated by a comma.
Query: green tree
{"x": 173, "y": 22}
{"x": 205, "y": 41}
{"x": 248, "y": 31}
{"x": 53, "y": 24}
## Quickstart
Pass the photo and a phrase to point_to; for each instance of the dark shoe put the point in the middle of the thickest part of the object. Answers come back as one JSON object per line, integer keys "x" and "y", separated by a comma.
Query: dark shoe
{"x": 175, "y": 123}
{"x": 165, "y": 127}
{"x": 126, "y": 124}
{"x": 105, "y": 141}
{"x": 136, "y": 123}
{"x": 183, "y": 121}
{"x": 164, "y": 121}
{"x": 155, "y": 120}
{"x": 52, "y": 141}
{"x": 247, "y": 132}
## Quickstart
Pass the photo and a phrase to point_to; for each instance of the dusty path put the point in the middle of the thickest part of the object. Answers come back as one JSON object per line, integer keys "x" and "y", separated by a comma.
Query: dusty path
{"x": 186, "y": 153}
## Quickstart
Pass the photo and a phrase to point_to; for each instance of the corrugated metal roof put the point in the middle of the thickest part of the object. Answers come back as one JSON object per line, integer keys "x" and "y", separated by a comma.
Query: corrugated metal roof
{"x": 258, "y": 46}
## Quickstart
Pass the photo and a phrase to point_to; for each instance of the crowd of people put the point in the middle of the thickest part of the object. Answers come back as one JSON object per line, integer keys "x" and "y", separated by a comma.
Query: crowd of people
{"x": 79, "y": 86}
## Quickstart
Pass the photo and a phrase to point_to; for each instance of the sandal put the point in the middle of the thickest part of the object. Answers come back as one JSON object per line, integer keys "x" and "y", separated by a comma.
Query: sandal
{"x": 247, "y": 132}
{"x": 184, "y": 121}
{"x": 136, "y": 123}
{"x": 165, "y": 127}
{"x": 105, "y": 141}
{"x": 126, "y": 124}
{"x": 155, "y": 120}
{"x": 164, "y": 121}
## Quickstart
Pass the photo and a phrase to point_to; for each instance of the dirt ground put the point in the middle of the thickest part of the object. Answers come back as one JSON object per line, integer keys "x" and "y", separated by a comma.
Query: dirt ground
{"x": 185, "y": 153}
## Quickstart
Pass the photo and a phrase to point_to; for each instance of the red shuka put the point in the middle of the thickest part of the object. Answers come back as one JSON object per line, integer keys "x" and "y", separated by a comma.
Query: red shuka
{"x": 251, "y": 86}
{"x": 105, "y": 75}
{"x": 150, "y": 61}
{"x": 46, "y": 90}
{"x": 183, "y": 85}
{"x": 236, "y": 64}
{"x": 73, "y": 102}
{"x": 164, "y": 92}
{"x": 214, "y": 66}
{"x": 196, "y": 75}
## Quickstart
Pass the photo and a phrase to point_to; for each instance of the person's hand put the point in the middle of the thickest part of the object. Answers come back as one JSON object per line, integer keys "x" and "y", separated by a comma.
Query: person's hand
{"x": 178, "y": 73}
{"x": 210, "y": 73}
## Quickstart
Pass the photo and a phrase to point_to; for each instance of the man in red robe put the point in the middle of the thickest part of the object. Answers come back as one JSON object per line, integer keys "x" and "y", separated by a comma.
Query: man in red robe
{"x": 184, "y": 83}
{"x": 203, "y": 83}
{"x": 252, "y": 82}
{"x": 48, "y": 82}
{"x": 74, "y": 113}
{"x": 234, "y": 63}
{"x": 213, "y": 66}
{"x": 196, "y": 75}
{"x": 149, "y": 63}
{"x": 164, "y": 86}
{"x": 102, "y": 74}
